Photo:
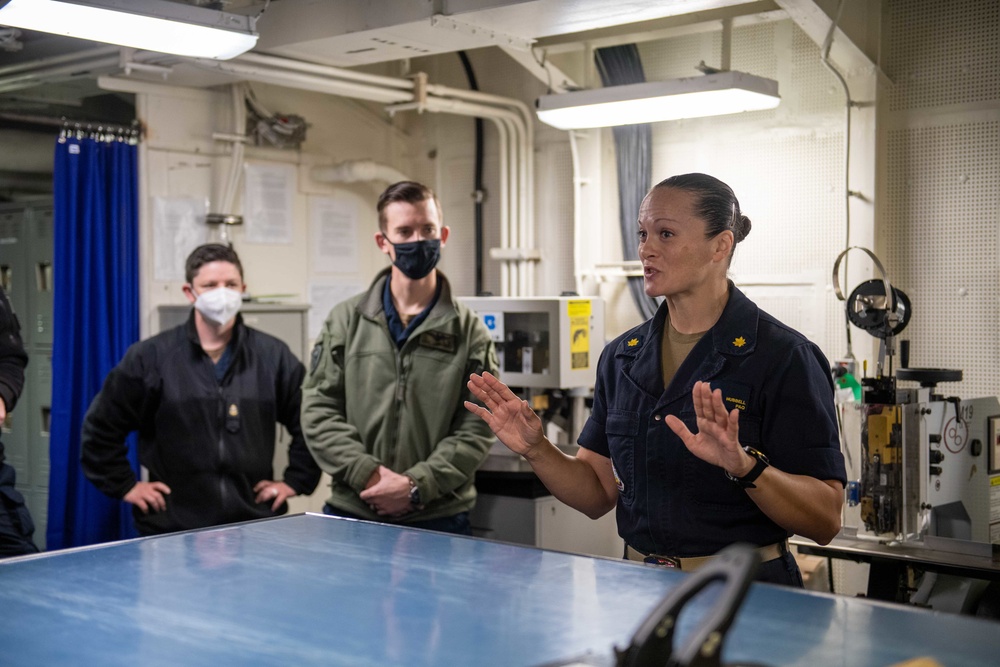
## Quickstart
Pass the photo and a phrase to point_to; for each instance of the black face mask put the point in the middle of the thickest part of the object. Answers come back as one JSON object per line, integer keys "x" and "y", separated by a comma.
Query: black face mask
{"x": 418, "y": 258}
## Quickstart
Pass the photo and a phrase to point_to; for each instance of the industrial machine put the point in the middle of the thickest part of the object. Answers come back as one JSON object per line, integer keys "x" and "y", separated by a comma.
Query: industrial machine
{"x": 925, "y": 471}
{"x": 548, "y": 349}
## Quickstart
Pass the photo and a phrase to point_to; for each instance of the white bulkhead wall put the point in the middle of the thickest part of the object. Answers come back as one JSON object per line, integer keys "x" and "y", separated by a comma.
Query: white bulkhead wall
{"x": 180, "y": 159}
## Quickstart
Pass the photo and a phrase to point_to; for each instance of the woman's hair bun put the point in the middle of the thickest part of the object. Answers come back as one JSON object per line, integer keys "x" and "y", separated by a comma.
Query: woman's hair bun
{"x": 741, "y": 228}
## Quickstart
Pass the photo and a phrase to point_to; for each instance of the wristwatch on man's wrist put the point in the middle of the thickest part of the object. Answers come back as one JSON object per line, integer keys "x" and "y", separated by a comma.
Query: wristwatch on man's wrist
{"x": 415, "y": 494}
{"x": 747, "y": 480}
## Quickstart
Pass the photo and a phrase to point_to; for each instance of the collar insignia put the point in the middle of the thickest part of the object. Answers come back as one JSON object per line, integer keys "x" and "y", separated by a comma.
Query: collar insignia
{"x": 740, "y": 341}
{"x": 633, "y": 342}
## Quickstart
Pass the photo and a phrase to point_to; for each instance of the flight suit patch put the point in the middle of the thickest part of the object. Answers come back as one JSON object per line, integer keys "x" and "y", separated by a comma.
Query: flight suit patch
{"x": 437, "y": 340}
{"x": 317, "y": 352}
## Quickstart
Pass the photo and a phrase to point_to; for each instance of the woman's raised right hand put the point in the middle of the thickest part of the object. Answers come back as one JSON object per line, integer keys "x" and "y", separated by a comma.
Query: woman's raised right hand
{"x": 509, "y": 417}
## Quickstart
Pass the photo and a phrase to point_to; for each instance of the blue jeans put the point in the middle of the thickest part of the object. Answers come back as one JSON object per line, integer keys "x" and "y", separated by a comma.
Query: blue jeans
{"x": 457, "y": 524}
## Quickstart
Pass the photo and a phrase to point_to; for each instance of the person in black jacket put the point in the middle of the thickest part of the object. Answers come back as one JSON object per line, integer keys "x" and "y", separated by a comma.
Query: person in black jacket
{"x": 205, "y": 398}
{"x": 16, "y": 526}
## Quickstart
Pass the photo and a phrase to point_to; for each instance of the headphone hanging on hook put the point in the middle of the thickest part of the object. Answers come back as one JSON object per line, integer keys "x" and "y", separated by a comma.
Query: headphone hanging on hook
{"x": 874, "y": 306}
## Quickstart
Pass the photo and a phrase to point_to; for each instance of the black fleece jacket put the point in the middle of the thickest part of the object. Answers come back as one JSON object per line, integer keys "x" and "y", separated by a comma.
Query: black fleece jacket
{"x": 209, "y": 441}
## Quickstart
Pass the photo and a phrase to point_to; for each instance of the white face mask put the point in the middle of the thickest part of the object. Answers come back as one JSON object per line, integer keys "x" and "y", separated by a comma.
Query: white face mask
{"x": 219, "y": 305}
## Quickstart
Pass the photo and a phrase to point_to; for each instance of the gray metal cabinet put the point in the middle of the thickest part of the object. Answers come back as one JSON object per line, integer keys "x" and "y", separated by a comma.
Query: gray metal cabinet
{"x": 26, "y": 273}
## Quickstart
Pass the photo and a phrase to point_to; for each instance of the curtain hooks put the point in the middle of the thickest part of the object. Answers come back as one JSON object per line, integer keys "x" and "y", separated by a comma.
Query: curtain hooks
{"x": 98, "y": 131}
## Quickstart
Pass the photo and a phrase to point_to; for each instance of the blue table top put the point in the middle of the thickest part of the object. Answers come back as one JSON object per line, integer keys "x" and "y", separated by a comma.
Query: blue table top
{"x": 311, "y": 589}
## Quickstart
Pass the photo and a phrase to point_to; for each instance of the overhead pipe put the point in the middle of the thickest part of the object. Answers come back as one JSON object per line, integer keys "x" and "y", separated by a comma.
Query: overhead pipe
{"x": 478, "y": 191}
{"x": 368, "y": 87}
{"x": 301, "y": 80}
{"x": 361, "y": 86}
{"x": 520, "y": 121}
{"x": 574, "y": 152}
{"x": 524, "y": 211}
{"x": 321, "y": 70}
{"x": 510, "y": 232}
{"x": 75, "y": 57}
{"x": 377, "y": 81}
{"x": 238, "y": 92}
{"x": 29, "y": 78}
{"x": 520, "y": 278}
{"x": 353, "y": 171}
{"x": 511, "y": 117}
{"x": 223, "y": 215}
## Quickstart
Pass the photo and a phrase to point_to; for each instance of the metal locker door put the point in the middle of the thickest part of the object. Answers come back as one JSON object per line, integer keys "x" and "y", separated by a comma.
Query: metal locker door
{"x": 41, "y": 249}
{"x": 13, "y": 259}
{"x": 13, "y": 277}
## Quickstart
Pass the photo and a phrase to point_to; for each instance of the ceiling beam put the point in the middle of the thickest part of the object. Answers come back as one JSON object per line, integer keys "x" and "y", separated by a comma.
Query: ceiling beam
{"x": 745, "y": 13}
{"x": 853, "y": 56}
{"x": 540, "y": 67}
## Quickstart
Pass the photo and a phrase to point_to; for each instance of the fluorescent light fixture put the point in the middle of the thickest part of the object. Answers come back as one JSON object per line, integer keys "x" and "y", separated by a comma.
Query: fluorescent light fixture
{"x": 709, "y": 95}
{"x": 151, "y": 25}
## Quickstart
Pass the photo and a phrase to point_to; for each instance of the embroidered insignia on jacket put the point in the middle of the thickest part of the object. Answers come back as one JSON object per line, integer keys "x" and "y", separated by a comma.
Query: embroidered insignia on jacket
{"x": 740, "y": 342}
{"x": 737, "y": 403}
{"x": 618, "y": 481}
{"x": 438, "y": 340}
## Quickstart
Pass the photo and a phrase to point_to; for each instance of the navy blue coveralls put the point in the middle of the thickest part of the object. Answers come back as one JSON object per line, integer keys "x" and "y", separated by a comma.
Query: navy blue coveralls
{"x": 673, "y": 503}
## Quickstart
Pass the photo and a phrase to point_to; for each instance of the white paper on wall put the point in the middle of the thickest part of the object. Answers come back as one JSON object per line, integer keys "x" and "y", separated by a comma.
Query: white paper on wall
{"x": 178, "y": 228}
{"x": 323, "y": 296}
{"x": 267, "y": 203}
{"x": 334, "y": 239}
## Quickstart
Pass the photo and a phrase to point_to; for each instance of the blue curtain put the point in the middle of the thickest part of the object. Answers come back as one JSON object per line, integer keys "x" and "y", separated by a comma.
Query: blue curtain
{"x": 96, "y": 318}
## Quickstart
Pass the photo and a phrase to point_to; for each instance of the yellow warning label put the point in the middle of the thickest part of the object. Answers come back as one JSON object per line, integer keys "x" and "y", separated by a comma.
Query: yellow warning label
{"x": 579, "y": 333}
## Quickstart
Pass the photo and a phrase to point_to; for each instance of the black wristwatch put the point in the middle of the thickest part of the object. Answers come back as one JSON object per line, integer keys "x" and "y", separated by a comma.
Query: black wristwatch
{"x": 747, "y": 480}
{"x": 415, "y": 494}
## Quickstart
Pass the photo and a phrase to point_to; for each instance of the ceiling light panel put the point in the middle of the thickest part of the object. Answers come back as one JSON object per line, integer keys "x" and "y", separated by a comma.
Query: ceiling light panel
{"x": 151, "y": 25}
{"x": 709, "y": 95}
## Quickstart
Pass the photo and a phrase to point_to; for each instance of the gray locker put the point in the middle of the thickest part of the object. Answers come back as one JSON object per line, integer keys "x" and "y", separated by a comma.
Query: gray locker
{"x": 38, "y": 389}
{"x": 40, "y": 293}
{"x": 13, "y": 251}
{"x": 26, "y": 272}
